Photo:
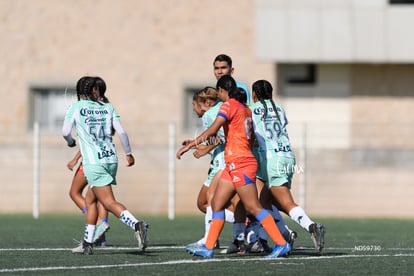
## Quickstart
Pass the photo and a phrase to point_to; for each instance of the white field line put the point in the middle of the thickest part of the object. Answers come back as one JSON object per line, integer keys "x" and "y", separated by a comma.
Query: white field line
{"x": 181, "y": 247}
{"x": 284, "y": 261}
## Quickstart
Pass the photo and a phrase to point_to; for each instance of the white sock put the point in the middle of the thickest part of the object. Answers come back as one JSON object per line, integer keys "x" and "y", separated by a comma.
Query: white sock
{"x": 127, "y": 218}
{"x": 229, "y": 216}
{"x": 298, "y": 215}
{"x": 207, "y": 222}
{"x": 89, "y": 231}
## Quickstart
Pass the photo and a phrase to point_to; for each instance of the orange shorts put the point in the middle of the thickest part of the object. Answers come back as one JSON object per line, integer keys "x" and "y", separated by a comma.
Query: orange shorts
{"x": 241, "y": 171}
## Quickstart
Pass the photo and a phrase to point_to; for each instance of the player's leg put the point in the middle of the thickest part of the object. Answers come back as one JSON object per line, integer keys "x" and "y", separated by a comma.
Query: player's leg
{"x": 106, "y": 197}
{"x": 90, "y": 224}
{"x": 222, "y": 195}
{"x": 102, "y": 226}
{"x": 76, "y": 189}
{"x": 102, "y": 175}
{"x": 202, "y": 202}
{"x": 280, "y": 189}
{"x": 239, "y": 227}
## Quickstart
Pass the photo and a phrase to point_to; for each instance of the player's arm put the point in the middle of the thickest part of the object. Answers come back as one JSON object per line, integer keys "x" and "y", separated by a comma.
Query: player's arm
{"x": 66, "y": 132}
{"x": 201, "y": 151}
{"x": 211, "y": 131}
{"x": 123, "y": 136}
{"x": 71, "y": 164}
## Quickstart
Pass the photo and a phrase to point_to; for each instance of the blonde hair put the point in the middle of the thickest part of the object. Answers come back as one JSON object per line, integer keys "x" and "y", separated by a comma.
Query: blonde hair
{"x": 207, "y": 93}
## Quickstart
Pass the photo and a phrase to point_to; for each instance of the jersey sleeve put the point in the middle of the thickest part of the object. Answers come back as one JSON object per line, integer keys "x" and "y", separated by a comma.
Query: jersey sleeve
{"x": 67, "y": 125}
{"x": 224, "y": 111}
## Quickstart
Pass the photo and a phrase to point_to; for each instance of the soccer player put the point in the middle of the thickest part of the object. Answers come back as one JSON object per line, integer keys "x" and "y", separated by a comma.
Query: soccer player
{"x": 79, "y": 182}
{"x": 240, "y": 172}
{"x": 277, "y": 157}
{"x": 209, "y": 104}
{"x": 94, "y": 122}
{"x": 223, "y": 65}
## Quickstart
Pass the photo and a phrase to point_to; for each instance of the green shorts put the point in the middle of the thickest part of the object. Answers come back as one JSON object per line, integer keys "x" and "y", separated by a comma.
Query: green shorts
{"x": 216, "y": 165}
{"x": 261, "y": 161}
{"x": 100, "y": 175}
{"x": 275, "y": 170}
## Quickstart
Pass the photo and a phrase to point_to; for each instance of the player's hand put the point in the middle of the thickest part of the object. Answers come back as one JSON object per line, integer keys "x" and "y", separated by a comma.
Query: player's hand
{"x": 71, "y": 145}
{"x": 201, "y": 151}
{"x": 71, "y": 164}
{"x": 130, "y": 160}
{"x": 181, "y": 151}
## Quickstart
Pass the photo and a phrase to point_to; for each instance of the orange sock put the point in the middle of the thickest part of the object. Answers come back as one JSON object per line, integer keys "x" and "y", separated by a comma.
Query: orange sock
{"x": 217, "y": 224}
{"x": 270, "y": 226}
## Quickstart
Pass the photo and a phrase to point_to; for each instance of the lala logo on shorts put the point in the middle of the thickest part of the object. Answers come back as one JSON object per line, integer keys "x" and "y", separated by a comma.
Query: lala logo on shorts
{"x": 105, "y": 153}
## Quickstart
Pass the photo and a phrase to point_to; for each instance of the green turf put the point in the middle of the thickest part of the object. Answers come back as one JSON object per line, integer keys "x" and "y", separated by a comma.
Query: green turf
{"x": 353, "y": 247}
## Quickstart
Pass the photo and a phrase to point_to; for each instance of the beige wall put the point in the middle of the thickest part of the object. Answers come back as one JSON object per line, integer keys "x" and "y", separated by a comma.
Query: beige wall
{"x": 148, "y": 52}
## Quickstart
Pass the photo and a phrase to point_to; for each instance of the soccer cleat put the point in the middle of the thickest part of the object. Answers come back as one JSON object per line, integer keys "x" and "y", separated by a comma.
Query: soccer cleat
{"x": 199, "y": 243}
{"x": 189, "y": 247}
{"x": 87, "y": 248}
{"x": 101, "y": 241}
{"x": 255, "y": 247}
{"x": 84, "y": 248}
{"x": 201, "y": 251}
{"x": 317, "y": 232}
{"x": 78, "y": 249}
{"x": 237, "y": 246}
{"x": 259, "y": 246}
{"x": 141, "y": 229}
{"x": 100, "y": 229}
{"x": 279, "y": 251}
{"x": 292, "y": 237}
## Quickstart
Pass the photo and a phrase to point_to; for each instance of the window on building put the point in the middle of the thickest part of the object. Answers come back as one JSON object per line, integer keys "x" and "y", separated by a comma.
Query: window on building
{"x": 48, "y": 106}
{"x": 192, "y": 124}
{"x": 300, "y": 74}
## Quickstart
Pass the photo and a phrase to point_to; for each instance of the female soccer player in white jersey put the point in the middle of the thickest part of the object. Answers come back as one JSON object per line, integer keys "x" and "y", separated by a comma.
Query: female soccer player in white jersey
{"x": 94, "y": 122}
{"x": 79, "y": 181}
{"x": 277, "y": 159}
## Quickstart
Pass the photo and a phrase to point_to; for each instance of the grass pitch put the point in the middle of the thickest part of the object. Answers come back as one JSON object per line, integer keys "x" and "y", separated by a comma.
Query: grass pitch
{"x": 353, "y": 247}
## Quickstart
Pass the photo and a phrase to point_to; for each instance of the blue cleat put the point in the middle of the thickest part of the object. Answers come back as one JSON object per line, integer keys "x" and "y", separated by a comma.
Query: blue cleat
{"x": 279, "y": 251}
{"x": 200, "y": 250}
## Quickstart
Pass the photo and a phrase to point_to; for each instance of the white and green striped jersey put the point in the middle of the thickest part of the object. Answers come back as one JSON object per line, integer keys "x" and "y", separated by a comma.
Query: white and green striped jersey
{"x": 270, "y": 132}
{"x": 208, "y": 118}
{"x": 94, "y": 123}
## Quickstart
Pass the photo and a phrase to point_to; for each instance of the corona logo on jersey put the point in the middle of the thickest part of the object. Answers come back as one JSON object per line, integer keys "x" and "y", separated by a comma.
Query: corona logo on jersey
{"x": 85, "y": 111}
{"x": 260, "y": 110}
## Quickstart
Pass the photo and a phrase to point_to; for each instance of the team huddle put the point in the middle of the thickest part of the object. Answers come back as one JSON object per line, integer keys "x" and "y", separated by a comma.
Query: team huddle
{"x": 249, "y": 179}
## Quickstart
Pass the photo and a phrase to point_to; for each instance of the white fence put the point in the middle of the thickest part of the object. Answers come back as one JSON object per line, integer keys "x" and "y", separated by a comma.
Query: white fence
{"x": 369, "y": 177}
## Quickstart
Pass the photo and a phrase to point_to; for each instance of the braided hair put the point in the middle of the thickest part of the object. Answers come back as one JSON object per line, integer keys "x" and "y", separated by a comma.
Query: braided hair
{"x": 79, "y": 87}
{"x": 263, "y": 90}
{"x": 100, "y": 85}
{"x": 86, "y": 85}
